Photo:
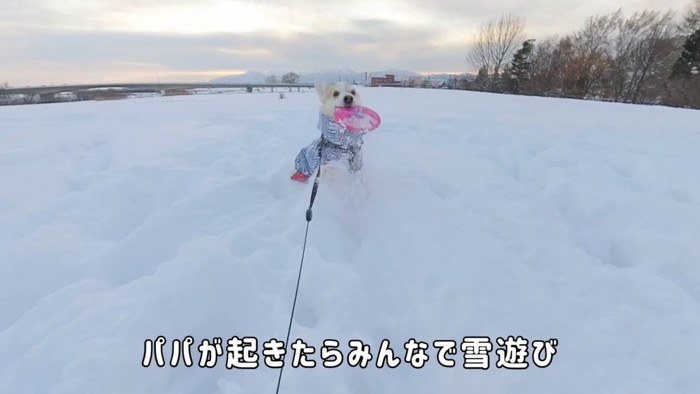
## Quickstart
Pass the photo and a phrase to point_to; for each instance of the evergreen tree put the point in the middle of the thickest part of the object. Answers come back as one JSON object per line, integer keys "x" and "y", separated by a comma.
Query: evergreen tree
{"x": 688, "y": 64}
{"x": 483, "y": 81}
{"x": 519, "y": 70}
{"x": 506, "y": 83}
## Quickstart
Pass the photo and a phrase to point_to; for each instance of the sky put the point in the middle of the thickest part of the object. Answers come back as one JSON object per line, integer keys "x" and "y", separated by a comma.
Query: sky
{"x": 48, "y": 42}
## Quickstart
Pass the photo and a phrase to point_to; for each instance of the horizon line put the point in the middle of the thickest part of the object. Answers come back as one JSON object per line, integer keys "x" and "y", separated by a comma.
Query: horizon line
{"x": 241, "y": 73}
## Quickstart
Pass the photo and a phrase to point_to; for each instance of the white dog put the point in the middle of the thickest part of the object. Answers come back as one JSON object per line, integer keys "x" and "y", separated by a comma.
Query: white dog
{"x": 336, "y": 143}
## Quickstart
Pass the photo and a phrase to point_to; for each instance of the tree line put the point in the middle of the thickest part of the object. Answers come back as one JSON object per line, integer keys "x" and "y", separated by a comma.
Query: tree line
{"x": 645, "y": 58}
{"x": 290, "y": 77}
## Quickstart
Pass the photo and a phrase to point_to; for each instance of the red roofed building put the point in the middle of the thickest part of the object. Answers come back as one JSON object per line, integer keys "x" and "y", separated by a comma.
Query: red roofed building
{"x": 386, "y": 80}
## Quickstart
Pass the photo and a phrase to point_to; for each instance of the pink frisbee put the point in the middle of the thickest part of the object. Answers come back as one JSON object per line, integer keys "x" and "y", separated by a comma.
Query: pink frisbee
{"x": 357, "y": 118}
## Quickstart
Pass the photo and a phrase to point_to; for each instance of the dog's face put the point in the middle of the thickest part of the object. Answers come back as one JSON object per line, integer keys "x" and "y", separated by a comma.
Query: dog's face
{"x": 336, "y": 95}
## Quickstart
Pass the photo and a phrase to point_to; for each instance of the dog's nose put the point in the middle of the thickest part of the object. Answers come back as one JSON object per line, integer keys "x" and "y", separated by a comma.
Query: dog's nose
{"x": 347, "y": 100}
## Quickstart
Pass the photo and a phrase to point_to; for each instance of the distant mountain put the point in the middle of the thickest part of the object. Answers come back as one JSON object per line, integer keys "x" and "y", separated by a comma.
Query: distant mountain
{"x": 442, "y": 76}
{"x": 324, "y": 75}
{"x": 248, "y": 77}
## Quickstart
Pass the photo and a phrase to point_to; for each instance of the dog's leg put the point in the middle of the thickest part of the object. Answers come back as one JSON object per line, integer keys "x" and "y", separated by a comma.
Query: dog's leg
{"x": 355, "y": 160}
{"x": 307, "y": 161}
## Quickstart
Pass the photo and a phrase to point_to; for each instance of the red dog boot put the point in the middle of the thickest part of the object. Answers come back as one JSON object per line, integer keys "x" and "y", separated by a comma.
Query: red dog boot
{"x": 299, "y": 177}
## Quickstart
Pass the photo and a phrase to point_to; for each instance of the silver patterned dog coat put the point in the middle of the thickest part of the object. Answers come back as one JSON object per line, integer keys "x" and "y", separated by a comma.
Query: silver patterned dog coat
{"x": 337, "y": 144}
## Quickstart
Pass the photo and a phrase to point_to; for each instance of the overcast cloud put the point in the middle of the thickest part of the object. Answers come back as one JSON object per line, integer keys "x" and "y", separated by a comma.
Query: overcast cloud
{"x": 74, "y": 41}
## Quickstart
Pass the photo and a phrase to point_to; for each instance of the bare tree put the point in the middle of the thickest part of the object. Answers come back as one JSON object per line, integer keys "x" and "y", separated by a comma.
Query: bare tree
{"x": 290, "y": 77}
{"x": 654, "y": 57}
{"x": 691, "y": 19}
{"x": 554, "y": 69}
{"x": 642, "y": 51}
{"x": 545, "y": 68}
{"x": 495, "y": 43}
{"x": 271, "y": 79}
{"x": 591, "y": 46}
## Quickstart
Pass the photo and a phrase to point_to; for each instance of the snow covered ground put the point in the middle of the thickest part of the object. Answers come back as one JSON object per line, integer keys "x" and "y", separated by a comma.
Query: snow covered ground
{"x": 476, "y": 215}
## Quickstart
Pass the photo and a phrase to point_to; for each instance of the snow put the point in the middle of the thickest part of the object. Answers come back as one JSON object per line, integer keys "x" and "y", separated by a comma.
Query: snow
{"x": 475, "y": 215}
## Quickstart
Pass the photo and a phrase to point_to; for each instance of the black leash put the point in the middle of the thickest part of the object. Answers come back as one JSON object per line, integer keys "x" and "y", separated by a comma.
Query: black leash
{"x": 309, "y": 215}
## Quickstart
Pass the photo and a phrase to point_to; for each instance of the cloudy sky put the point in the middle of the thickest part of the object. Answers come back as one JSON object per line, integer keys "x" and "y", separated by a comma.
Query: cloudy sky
{"x": 79, "y": 41}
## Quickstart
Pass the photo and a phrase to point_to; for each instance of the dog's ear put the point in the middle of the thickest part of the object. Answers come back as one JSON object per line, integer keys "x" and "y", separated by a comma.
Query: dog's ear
{"x": 321, "y": 89}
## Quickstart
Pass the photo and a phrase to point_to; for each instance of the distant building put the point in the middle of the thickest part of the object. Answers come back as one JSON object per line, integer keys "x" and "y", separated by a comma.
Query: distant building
{"x": 413, "y": 81}
{"x": 386, "y": 80}
{"x": 438, "y": 83}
